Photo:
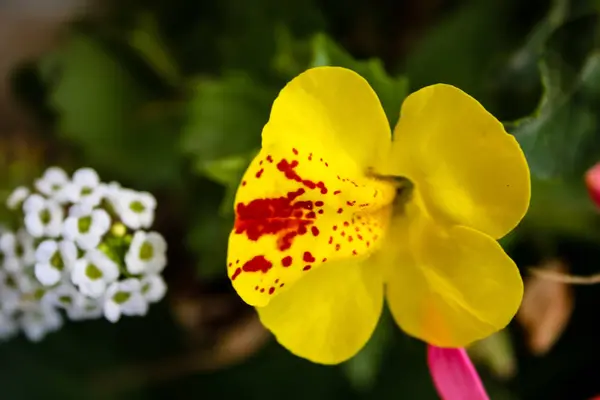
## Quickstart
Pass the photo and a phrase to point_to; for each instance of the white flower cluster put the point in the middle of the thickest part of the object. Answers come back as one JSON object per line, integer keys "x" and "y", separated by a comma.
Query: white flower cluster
{"x": 83, "y": 250}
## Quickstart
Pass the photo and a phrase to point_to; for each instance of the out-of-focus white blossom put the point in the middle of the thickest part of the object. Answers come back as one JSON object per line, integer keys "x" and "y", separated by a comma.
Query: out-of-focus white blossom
{"x": 125, "y": 298}
{"x": 17, "y": 197}
{"x": 136, "y": 209}
{"x": 94, "y": 272}
{"x": 153, "y": 288}
{"x": 39, "y": 320}
{"x": 146, "y": 254}
{"x": 43, "y": 217}
{"x": 73, "y": 255}
{"x": 86, "y": 226}
{"x": 53, "y": 260}
{"x": 54, "y": 184}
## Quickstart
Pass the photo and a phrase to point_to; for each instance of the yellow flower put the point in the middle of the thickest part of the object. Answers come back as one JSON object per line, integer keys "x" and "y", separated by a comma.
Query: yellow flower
{"x": 323, "y": 232}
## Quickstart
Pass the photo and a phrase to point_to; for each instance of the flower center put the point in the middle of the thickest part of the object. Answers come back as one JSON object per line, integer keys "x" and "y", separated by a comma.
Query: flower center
{"x": 121, "y": 297}
{"x": 45, "y": 216}
{"x": 86, "y": 191}
{"x": 84, "y": 224}
{"x": 67, "y": 300}
{"x": 56, "y": 261}
{"x": 146, "y": 251}
{"x": 38, "y": 294}
{"x": 146, "y": 288}
{"x": 137, "y": 207}
{"x": 93, "y": 272}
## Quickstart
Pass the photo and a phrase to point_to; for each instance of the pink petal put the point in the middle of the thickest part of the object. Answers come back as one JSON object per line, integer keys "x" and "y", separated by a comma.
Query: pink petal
{"x": 592, "y": 181}
{"x": 453, "y": 374}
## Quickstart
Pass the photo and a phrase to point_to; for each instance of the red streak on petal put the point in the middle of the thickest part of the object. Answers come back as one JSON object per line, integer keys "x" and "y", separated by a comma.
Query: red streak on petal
{"x": 243, "y": 183}
{"x": 262, "y": 290}
{"x": 237, "y": 272}
{"x": 330, "y": 239}
{"x": 260, "y": 172}
{"x": 359, "y": 237}
{"x": 311, "y": 215}
{"x": 276, "y": 281}
{"x": 308, "y": 257}
{"x": 335, "y": 227}
{"x": 354, "y": 253}
{"x": 324, "y": 260}
{"x": 340, "y": 210}
{"x": 286, "y": 261}
{"x": 271, "y": 290}
{"x": 270, "y": 159}
{"x": 337, "y": 192}
{"x": 319, "y": 203}
{"x": 337, "y": 247}
{"x": 315, "y": 231}
{"x": 306, "y": 268}
{"x": 282, "y": 285}
{"x": 295, "y": 151}
{"x": 350, "y": 238}
{"x": 346, "y": 223}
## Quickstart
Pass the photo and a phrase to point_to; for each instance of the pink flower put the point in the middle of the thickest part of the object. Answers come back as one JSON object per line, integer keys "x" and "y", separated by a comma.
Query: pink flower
{"x": 453, "y": 374}
{"x": 592, "y": 181}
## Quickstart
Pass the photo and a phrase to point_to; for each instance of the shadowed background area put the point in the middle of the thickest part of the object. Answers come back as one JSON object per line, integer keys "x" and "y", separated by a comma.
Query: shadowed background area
{"x": 170, "y": 97}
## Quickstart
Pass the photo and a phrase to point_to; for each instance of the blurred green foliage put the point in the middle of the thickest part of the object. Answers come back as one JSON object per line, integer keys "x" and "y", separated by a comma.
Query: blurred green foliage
{"x": 171, "y": 97}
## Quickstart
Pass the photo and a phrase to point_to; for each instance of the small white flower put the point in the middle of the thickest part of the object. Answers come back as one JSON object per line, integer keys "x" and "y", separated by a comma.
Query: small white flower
{"x": 43, "y": 217}
{"x": 54, "y": 260}
{"x": 147, "y": 253}
{"x": 17, "y": 197}
{"x": 17, "y": 249}
{"x": 86, "y": 308}
{"x": 54, "y": 184}
{"x": 94, "y": 272}
{"x": 37, "y": 321}
{"x": 86, "y": 188}
{"x": 125, "y": 298}
{"x": 10, "y": 293}
{"x": 136, "y": 209}
{"x": 86, "y": 226}
{"x": 153, "y": 288}
{"x": 8, "y": 326}
{"x": 65, "y": 296}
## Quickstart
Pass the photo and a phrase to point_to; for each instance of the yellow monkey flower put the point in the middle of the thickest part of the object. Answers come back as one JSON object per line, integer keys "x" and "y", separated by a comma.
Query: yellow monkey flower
{"x": 324, "y": 230}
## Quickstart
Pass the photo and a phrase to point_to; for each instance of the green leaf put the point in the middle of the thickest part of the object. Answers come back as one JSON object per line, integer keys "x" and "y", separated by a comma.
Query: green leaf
{"x": 228, "y": 172}
{"x": 147, "y": 40}
{"x": 105, "y": 112}
{"x": 561, "y": 140}
{"x": 225, "y": 118}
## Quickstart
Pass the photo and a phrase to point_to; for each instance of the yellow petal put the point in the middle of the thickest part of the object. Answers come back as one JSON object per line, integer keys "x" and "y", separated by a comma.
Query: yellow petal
{"x": 449, "y": 286}
{"x": 334, "y": 108}
{"x": 306, "y": 199}
{"x": 328, "y": 316}
{"x": 467, "y": 168}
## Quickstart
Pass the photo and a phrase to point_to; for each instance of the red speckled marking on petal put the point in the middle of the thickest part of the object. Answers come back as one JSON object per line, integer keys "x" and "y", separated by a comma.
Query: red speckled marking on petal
{"x": 315, "y": 231}
{"x": 306, "y": 268}
{"x": 259, "y": 173}
{"x": 286, "y": 261}
{"x": 271, "y": 290}
{"x": 295, "y": 151}
{"x": 308, "y": 257}
{"x": 340, "y": 210}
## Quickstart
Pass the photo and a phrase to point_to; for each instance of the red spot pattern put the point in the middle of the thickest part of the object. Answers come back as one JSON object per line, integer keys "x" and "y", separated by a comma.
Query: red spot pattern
{"x": 308, "y": 257}
{"x": 288, "y": 217}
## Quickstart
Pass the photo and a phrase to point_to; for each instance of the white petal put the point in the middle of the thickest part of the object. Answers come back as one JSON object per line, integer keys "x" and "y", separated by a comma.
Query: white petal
{"x": 100, "y": 222}
{"x": 112, "y": 311}
{"x": 34, "y": 203}
{"x": 47, "y": 274}
{"x": 13, "y": 264}
{"x": 109, "y": 268}
{"x": 17, "y": 197}
{"x": 71, "y": 228}
{"x": 86, "y": 177}
{"x": 154, "y": 288}
{"x": 34, "y": 224}
{"x": 45, "y": 251}
{"x": 68, "y": 251}
{"x": 88, "y": 241}
{"x": 8, "y": 241}
{"x": 135, "y": 305}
